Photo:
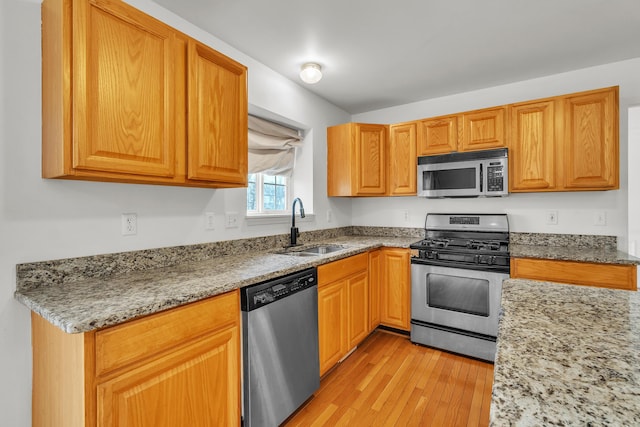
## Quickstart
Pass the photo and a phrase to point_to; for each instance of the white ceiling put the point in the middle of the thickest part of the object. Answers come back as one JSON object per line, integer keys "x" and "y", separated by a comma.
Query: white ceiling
{"x": 381, "y": 53}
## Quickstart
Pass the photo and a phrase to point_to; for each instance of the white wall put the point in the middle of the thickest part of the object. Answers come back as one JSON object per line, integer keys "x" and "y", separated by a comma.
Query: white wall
{"x": 634, "y": 181}
{"x": 52, "y": 219}
{"x": 526, "y": 211}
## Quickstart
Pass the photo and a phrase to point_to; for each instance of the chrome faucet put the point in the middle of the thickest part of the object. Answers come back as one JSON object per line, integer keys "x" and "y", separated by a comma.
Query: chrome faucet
{"x": 294, "y": 229}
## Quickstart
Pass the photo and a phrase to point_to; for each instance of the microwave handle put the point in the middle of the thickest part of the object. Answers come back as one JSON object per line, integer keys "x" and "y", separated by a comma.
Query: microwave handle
{"x": 481, "y": 178}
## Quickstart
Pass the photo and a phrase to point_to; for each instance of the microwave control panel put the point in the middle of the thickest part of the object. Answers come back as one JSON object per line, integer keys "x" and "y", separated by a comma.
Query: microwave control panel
{"x": 495, "y": 177}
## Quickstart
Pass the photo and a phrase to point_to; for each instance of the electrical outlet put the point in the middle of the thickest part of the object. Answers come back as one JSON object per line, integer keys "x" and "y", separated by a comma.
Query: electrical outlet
{"x": 129, "y": 224}
{"x": 600, "y": 218}
{"x": 329, "y": 215}
{"x": 405, "y": 216}
{"x": 552, "y": 217}
{"x": 209, "y": 221}
{"x": 231, "y": 220}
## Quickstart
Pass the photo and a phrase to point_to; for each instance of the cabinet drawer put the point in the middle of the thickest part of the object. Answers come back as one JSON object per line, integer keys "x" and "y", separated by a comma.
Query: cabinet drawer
{"x": 336, "y": 270}
{"x": 615, "y": 276}
{"x": 138, "y": 339}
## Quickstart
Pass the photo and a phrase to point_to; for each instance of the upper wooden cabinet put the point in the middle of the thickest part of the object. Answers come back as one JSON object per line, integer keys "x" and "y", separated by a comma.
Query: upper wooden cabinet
{"x": 565, "y": 143}
{"x": 115, "y": 102}
{"x": 402, "y": 159}
{"x": 590, "y": 154}
{"x": 532, "y": 151}
{"x": 438, "y": 135}
{"x": 371, "y": 160}
{"x": 217, "y": 110}
{"x": 356, "y": 160}
{"x": 469, "y": 131}
{"x": 483, "y": 129}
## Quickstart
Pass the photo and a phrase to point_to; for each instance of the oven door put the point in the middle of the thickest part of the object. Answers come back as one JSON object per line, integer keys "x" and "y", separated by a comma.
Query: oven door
{"x": 468, "y": 300}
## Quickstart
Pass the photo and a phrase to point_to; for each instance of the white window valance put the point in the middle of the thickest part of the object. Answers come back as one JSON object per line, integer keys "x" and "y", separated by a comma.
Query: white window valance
{"x": 272, "y": 147}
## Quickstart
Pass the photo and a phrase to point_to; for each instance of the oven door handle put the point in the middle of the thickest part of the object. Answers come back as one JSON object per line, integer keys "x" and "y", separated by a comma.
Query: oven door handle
{"x": 493, "y": 268}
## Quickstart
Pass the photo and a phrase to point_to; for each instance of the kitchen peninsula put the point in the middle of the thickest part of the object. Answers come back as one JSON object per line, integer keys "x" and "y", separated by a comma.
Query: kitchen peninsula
{"x": 567, "y": 355}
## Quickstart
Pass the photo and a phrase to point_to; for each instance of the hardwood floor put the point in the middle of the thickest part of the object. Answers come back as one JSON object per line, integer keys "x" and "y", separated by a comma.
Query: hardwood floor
{"x": 388, "y": 381}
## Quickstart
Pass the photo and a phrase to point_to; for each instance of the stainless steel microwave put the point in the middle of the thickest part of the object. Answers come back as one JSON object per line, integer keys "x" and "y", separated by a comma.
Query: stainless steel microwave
{"x": 469, "y": 174}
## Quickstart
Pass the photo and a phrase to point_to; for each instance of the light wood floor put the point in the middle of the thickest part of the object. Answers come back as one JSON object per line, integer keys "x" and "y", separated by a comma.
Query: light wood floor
{"x": 388, "y": 381}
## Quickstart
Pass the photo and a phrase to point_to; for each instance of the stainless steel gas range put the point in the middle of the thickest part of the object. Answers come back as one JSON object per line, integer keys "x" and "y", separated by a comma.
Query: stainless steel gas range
{"x": 456, "y": 282}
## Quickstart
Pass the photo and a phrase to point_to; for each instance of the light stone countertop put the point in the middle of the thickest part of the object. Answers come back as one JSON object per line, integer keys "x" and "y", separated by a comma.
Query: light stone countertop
{"x": 566, "y": 355}
{"x": 94, "y": 303}
{"x": 605, "y": 255}
{"x": 568, "y": 247}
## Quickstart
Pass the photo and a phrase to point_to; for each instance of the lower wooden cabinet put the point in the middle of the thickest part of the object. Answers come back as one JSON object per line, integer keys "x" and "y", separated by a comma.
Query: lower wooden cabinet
{"x": 615, "y": 276}
{"x": 343, "y": 308}
{"x": 177, "y": 367}
{"x": 375, "y": 272}
{"x": 332, "y": 318}
{"x": 395, "y": 288}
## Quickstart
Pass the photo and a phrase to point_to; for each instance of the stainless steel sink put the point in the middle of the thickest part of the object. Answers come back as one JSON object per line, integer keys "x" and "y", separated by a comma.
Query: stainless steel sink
{"x": 298, "y": 253}
{"x": 323, "y": 249}
{"x": 312, "y": 250}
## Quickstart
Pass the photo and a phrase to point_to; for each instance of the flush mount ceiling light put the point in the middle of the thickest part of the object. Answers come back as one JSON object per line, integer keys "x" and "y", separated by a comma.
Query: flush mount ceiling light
{"x": 310, "y": 73}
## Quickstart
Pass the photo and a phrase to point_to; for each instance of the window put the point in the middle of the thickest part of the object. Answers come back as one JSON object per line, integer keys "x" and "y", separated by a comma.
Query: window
{"x": 267, "y": 194}
{"x": 272, "y": 155}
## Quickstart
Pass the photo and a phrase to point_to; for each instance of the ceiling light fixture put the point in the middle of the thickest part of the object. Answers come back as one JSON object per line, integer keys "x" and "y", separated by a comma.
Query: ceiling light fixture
{"x": 310, "y": 73}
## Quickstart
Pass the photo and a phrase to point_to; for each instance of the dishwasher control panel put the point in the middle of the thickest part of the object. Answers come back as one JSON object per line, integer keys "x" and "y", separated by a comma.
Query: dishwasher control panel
{"x": 260, "y": 294}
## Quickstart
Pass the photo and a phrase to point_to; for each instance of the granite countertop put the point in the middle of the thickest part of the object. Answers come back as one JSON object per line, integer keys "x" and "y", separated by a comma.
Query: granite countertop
{"x": 93, "y": 303}
{"x": 566, "y": 355}
{"x": 569, "y": 247}
{"x": 605, "y": 255}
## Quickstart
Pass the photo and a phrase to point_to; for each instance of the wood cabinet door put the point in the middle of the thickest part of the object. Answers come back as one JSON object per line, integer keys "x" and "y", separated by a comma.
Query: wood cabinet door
{"x": 403, "y": 161}
{"x": 339, "y": 160}
{"x": 370, "y": 155}
{"x": 358, "y": 308}
{"x": 591, "y": 147}
{"x": 332, "y": 321}
{"x": 124, "y": 90}
{"x": 438, "y": 135}
{"x": 614, "y": 276}
{"x": 374, "y": 288}
{"x": 195, "y": 385}
{"x": 217, "y": 117}
{"x": 483, "y": 129}
{"x": 395, "y": 288}
{"x": 532, "y": 147}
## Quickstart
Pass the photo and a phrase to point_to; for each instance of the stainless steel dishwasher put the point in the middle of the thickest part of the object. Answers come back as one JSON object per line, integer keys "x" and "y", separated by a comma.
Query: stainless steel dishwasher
{"x": 280, "y": 347}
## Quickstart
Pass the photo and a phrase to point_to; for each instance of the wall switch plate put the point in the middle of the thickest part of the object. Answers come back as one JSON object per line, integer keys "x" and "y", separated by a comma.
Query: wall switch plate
{"x": 209, "y": 221}
{"x": 552, "y": 217}
{"x": 600, "y": 218}
{"x": 405, "y": 215}
{"x": 231, "y": 220}
{"x": 129, "y": 224}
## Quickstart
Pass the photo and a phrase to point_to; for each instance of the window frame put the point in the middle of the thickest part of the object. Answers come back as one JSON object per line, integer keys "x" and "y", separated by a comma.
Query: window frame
{"x": 259, "y": 196}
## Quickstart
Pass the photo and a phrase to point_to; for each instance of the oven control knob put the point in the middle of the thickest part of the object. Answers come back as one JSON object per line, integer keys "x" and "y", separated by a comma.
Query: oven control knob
{"x": 491, "y": 260}
{"x": 476, "y": 259}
